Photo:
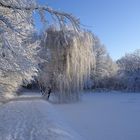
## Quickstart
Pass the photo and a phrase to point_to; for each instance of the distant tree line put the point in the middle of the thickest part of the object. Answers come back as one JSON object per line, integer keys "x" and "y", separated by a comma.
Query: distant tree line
{"x": 129, "y": 72}
{"x": 123, "y": 74}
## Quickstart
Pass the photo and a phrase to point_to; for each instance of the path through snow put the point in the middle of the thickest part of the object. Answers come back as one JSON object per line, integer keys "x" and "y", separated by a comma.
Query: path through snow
{"x": 32, "y": 120}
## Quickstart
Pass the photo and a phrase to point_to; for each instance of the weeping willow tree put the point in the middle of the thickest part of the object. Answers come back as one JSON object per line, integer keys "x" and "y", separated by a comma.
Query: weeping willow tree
{"x": 70, "y": 58}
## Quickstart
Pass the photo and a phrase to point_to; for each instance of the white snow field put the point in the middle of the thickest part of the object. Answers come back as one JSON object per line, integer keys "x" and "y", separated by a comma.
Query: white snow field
{"x": 105, "y": 116}
{"x": 33, "y": 120}
{"x": 99, "y": 116}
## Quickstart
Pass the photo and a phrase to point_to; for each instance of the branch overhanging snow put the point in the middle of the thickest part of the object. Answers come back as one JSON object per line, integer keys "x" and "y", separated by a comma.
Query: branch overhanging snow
{"x": 60, "y": 16}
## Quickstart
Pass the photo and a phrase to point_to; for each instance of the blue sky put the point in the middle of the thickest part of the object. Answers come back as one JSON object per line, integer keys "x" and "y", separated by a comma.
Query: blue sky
{"x": 115, "y": 22}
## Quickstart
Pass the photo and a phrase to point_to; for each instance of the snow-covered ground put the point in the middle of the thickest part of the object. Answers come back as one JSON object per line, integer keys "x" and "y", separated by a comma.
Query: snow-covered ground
{"x": 33, "y": 119}
{"x": 105, "y": 116}
{"x": 99, "y": 116}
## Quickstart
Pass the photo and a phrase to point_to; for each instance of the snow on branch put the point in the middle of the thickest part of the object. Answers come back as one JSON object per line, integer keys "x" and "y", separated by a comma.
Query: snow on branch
{"x": 61, "y": 17}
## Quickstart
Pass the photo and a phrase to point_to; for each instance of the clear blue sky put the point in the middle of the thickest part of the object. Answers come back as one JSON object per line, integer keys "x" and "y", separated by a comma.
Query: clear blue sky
{"x": 115, "y": 22}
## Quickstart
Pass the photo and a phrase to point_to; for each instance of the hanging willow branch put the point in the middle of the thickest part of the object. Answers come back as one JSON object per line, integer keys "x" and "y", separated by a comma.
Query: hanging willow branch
{"x": 69, "y": 63}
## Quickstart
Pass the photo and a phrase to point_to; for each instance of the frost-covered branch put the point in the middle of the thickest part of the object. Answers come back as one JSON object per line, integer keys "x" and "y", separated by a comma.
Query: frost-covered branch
{"x": 62, "y": 17}
{"x": 18, "y": 55}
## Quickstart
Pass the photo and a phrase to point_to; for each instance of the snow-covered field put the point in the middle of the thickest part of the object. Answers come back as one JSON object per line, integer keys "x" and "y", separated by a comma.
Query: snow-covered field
{"x": 105, "y": 116}
{"x": 99, "y": 116}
